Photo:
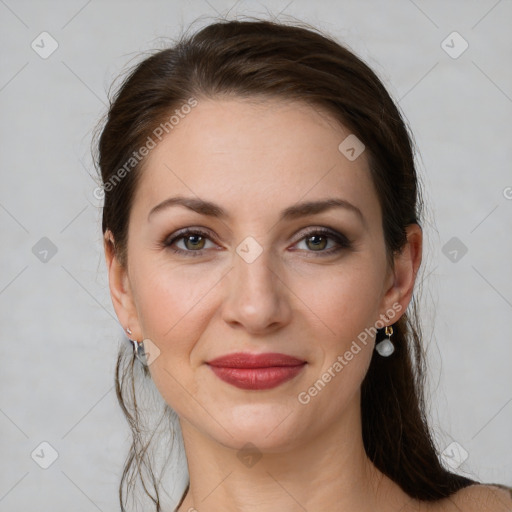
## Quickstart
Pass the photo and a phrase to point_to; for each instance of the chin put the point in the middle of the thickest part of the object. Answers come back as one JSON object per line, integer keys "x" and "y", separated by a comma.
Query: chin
{"x": 269, "y": 427}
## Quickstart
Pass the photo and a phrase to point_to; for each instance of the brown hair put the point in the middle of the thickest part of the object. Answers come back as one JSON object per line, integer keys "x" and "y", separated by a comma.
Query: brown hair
{"x": 292, "y": 62}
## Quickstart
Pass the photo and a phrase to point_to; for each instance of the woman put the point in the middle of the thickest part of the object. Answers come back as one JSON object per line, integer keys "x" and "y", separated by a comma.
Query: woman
{"x": 262, "y": 237}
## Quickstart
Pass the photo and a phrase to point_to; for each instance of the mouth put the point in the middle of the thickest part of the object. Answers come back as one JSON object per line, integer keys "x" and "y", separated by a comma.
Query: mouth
{"x": 256, "y": 371}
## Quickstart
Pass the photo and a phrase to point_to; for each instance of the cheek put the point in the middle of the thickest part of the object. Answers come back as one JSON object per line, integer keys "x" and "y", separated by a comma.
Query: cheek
{"x": 172, "y": 300}
{"x": 345, "y": 298}
{"x": 174, "y": 308}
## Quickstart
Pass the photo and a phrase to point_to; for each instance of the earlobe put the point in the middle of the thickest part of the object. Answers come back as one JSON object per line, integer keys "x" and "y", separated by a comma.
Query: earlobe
{"x": 120, "y": 291}
{"x": 406, "y": 266}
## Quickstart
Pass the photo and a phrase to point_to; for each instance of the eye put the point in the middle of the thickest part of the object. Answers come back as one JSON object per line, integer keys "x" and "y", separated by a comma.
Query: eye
{"x": 317, "y": 240}
{"x": 194, "y": 242}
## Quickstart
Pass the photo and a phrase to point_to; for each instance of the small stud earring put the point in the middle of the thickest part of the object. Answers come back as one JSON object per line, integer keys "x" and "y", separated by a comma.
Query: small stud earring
{"x": 385, "y": 348}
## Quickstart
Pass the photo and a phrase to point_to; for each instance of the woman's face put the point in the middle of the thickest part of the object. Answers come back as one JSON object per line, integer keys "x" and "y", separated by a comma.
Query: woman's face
{"x": 258, "y": 280}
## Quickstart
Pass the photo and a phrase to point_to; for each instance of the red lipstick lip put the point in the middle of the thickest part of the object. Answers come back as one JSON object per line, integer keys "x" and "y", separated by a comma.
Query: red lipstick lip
{"x": 256, "y": 371}
{"x": 246, "y": 360}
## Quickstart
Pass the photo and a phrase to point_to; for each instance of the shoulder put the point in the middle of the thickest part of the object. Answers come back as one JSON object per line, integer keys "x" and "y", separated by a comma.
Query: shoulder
{"x": 483, "y": 498}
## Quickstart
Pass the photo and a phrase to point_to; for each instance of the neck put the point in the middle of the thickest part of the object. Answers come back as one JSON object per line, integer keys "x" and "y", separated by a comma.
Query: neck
{"x": 328, "y": 472}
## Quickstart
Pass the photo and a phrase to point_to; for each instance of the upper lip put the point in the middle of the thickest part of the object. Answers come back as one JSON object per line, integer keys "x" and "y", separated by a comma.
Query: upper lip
{"x": 247, "y": 360}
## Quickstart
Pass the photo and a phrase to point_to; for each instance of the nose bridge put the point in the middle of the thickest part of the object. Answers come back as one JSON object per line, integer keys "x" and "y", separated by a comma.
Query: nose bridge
{"x": 255, "y": 296}
{"x": 253, "y": 267}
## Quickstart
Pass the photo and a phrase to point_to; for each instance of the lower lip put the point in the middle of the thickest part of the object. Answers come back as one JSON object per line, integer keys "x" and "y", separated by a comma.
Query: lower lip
{"x": 257, "y": 378}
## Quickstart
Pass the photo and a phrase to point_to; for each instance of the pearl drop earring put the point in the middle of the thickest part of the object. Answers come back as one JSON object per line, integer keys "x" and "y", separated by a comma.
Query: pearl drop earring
{"x": 385, "y": 348}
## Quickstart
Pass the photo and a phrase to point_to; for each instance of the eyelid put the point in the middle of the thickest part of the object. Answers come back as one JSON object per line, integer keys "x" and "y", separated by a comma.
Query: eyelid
{"x": 322, "y": 230}
{"x": 191, "y": 230}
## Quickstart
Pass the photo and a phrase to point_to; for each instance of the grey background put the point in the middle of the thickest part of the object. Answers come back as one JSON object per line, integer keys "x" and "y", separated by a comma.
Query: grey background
{"x": 59, "y": 334}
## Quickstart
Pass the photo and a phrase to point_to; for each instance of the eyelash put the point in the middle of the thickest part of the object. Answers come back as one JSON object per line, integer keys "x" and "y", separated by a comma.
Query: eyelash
{"x": 341, "y": 240}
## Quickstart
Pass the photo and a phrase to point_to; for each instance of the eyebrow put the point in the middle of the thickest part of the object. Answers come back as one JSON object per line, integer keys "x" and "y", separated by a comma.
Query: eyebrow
{"x": 292, "y": 212}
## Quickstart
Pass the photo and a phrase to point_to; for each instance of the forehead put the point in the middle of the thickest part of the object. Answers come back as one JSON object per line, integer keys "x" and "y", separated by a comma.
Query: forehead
{"x": 255, "y": 157}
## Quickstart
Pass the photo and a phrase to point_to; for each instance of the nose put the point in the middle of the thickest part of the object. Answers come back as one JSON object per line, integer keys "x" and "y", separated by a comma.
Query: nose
{"x": 257, "y": 297}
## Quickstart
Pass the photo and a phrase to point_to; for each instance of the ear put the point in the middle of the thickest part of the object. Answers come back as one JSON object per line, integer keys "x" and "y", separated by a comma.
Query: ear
{"x": 402, "y": 277}
{"x": 120, "y": 291}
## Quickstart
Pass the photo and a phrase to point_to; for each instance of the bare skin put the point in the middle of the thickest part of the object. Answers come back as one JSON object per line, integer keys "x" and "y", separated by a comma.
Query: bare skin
{"x": 254, "y": 159}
